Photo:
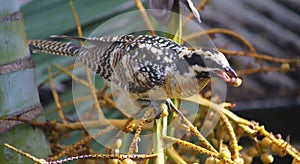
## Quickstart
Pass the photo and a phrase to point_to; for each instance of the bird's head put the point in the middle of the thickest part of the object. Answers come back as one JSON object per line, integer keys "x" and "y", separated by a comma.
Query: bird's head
{"x": 208, "y": 62}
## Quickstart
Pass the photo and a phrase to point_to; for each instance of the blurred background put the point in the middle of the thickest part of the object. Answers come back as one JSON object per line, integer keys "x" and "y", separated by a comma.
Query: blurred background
{"x": 272, "y": 26}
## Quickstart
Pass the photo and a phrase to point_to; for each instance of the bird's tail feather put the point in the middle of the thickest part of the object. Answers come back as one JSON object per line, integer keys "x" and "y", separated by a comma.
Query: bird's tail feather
{"x": 81, "y": 39}
{"x": 54, "y": 47}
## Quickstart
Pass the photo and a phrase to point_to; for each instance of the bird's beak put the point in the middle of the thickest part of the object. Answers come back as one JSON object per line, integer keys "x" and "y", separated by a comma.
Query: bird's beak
{"x": 230, "y": 72}
{"x": 228, "y": 75}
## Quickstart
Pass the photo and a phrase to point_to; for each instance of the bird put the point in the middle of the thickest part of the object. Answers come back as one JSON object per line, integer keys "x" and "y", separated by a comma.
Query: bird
{"x": 145, "y": 65}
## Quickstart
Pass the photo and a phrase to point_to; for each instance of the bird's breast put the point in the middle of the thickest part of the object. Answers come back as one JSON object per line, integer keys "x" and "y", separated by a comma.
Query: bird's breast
{"x": 176, "y": 86}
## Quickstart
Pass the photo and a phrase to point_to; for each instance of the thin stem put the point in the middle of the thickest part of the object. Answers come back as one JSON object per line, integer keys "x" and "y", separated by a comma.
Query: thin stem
{"x": 140, "y": 6}
{"x": 56, "y": 97}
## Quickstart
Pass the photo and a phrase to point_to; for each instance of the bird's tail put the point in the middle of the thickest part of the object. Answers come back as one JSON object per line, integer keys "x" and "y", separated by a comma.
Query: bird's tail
{"x": 82, "y": 53}
{"x": 55, "y": 47}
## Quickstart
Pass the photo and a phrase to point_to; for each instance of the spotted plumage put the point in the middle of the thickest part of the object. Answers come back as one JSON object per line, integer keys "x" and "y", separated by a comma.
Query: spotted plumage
{"x": 144, "y": 65}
